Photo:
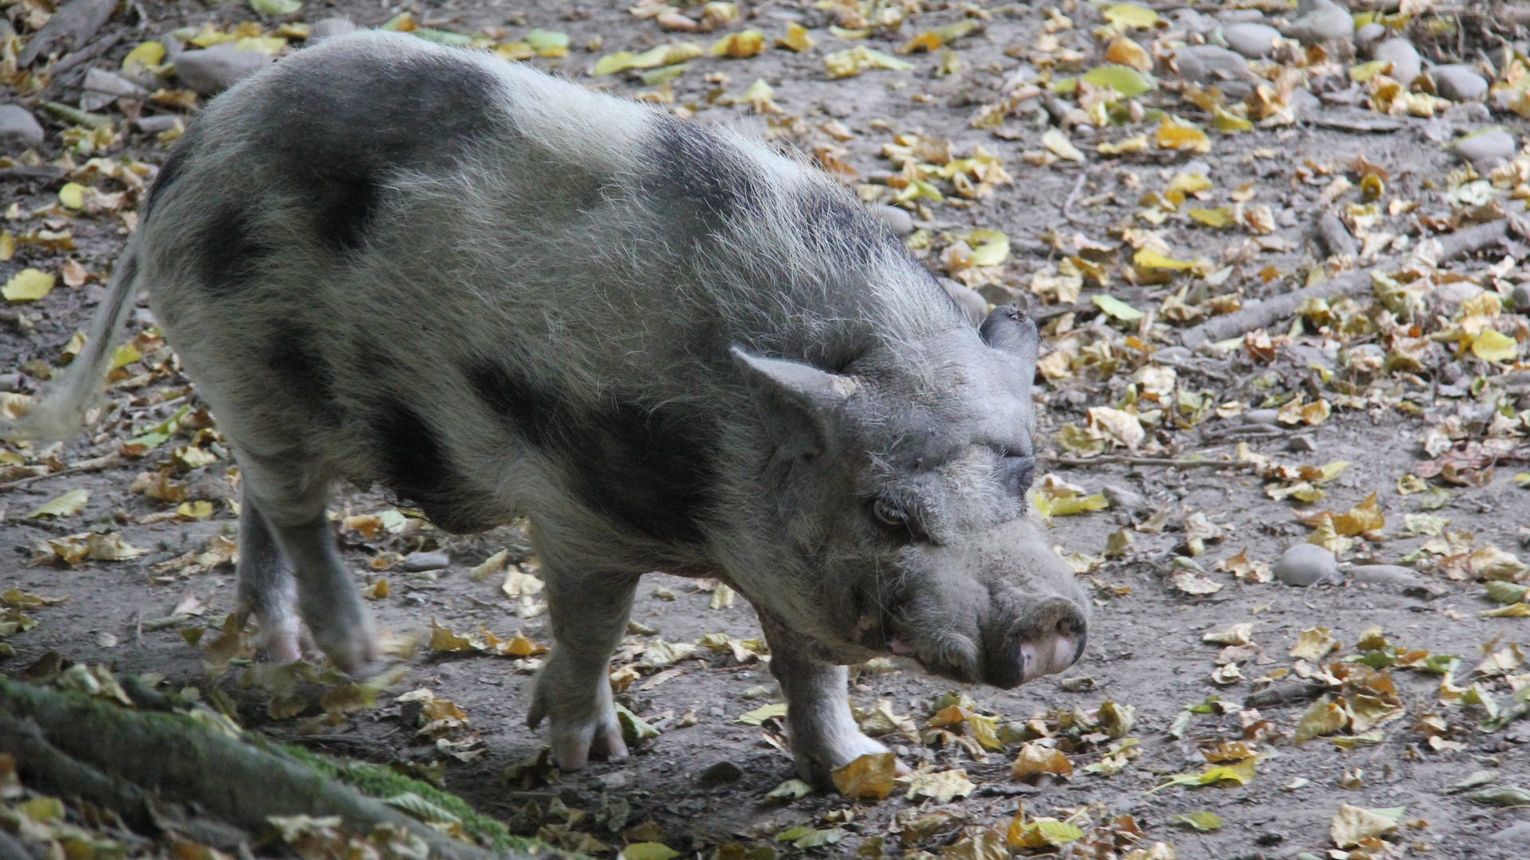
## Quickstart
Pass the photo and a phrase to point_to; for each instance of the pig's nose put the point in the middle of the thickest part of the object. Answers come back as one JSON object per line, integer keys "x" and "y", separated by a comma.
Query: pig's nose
{"x": 1055, "y": 650}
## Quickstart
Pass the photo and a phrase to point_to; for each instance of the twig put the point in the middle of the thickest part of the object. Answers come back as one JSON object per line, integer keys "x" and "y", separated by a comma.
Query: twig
{"x": 88, "y": 466}
{"x": 1127, "y": 460}
{"x": 1264, "y": 313}
{"x": 1078, "y": 186}
{"x": 84, "y": 55}
{"x": 1335, "y": 237}
{"x": 41, "y": 171}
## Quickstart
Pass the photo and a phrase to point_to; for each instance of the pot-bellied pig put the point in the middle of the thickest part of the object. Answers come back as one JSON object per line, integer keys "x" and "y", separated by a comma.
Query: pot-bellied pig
{"x": 672, "y": 348}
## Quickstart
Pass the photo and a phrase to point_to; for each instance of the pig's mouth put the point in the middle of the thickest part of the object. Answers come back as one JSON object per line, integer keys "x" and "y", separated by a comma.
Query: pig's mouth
{"x": 1012, "y": 660}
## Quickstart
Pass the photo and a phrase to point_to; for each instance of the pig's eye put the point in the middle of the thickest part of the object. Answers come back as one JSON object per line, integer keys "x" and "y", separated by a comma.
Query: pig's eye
{"x": 898, "y": 521}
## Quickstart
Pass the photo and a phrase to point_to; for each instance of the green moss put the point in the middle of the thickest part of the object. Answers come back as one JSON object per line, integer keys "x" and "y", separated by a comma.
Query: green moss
{"x": 382, "y": 783}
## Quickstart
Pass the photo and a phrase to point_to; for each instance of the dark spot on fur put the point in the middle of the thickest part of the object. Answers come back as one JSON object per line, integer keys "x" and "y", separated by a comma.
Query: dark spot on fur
{"x": 169, "y": 172}
{"x": 230, "y": 249}
{"x": 417, "y": 467}
{"x": 649, "y": 470}
{"x": 535, "y": 414}
{"x": 842, "y": 230}
{"x": 339, "y": 130}
{"x": 298, "y": 366}
{"x": 698, "y": 174}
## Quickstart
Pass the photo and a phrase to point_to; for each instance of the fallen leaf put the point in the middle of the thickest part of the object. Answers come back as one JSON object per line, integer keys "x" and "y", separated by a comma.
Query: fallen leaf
{"x": 27, "y": 285}
{"x": 869, "y": 777}
{"x": 67, "y": 505}
{"x": 1353, "y": 825}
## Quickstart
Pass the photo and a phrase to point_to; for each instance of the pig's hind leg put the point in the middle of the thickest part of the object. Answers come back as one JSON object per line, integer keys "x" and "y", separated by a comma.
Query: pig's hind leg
{"x": 589, "y": 609}
{"x": 819, "y": 724}
{"x": 289, "y": 561}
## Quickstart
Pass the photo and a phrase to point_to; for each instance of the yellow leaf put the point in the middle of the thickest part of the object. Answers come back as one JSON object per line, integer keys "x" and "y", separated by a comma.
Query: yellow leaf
{"x": 1125, "y": 80}
{"x": 147, "y": 55}
{"x": 1131, "y": 145}
{"x": 72, "y": 195}
{"x": 1314, "y": 643}
{"x": 1219, "y": 217}
{"x": 870, "y": 777}
{"x": 1361, "y": 519}
{"x": 1131, "y": 15}
{"x": 7, "y": 245}
{"x": 1353, "y": 825}
{"x": 1059, "y": 144}
{"x": 849, "y": 63}
{"x": 1125, "y": 52}
{"x": 1040, "y": 833}
{"x": 738, "y": 46}
{"x": 27, "y": 285}
{"x": 1035, "y": 760}
{"x": 67, "y": 505}
{"x": 1490, "y": 345}
{"x": 796, "y": 38}
{"x": 1226, "y": 121}
{"x": 1171, "y": 135}
{"x": 662, "y": 55}
{"x": 1365, "y": 71}
{"x": 989, "y": 247}
{"x": 125, "y": 355}
{"x": 197, "y": 510}
{"x": 1147, "y": 259}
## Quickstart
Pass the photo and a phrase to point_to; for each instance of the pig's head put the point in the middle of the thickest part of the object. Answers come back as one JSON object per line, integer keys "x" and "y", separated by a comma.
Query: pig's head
{"x": 896, "y": 486}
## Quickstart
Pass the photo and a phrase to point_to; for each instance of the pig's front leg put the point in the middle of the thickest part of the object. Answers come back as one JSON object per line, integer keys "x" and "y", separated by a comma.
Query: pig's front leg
{"x": 823, "y": 733}
{"x": 573, "y": 691}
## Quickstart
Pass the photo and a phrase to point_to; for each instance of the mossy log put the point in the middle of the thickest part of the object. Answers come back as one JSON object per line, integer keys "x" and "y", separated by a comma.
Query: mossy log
{"x": 133, "y": 761}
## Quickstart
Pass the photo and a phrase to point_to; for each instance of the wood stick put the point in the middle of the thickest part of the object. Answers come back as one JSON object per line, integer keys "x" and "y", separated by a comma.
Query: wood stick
{"x": 1263, "y": 314}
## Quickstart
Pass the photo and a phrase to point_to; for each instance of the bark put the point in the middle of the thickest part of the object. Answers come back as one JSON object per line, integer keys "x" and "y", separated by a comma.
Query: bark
{"x": 132, "y": 760}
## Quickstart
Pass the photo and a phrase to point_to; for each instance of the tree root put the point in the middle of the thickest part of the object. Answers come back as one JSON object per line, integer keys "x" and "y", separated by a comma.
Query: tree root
{"x": 134, "y": 762}
{"x": 1265, "y": 313}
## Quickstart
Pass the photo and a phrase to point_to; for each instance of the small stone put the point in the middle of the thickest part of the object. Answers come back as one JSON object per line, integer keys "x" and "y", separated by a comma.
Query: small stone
{"x": 1458, "y": 83}
{"x": 614, "y": 781}
{"x": 155, "y": 124}
{"x": 970, "y": 300}
{"x": 1211, "y": 65}
{"x": 1321, "y": 21}
{"x": 1516, "y": 833}
{"x": 1301, "y": 445}
{"x": 418, "y": 562}
{"x": 897, "y": 220}
{"x": 215, "y": 69}
{"x": 1306, "y": 564}
{"x": 1387, "y": 574}
{"x": 721, "y": 773}
{"x": 1486, "y": 148}
{"x": 1371, "y": 32}
{"x": 1251, "y": 40}
{"x": 329, "y": 28}
{"x": 1519, "y": 297}
{"x": 1403, "y": 56}
{"x": 18, "y": 129}
{"x": 102, "y": 88}
{"x": 1125, "y": 498}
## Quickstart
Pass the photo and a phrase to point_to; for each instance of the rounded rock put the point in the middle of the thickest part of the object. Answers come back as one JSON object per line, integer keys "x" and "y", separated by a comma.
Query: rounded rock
{"x": 1403, "y": 56}
{"x": 213, "y": 70}
{"x": 1251, "y": 40}
{"x": 418, "y": 562}
{"x": 1486, "y": 148}
{"x": 1306, "y": 564}
{"x": 330, "y": 28}
{"x": 897, "y": 220}
{"x": 1211, "y": 65}
{"x": 1458, "y": 82}
{"x": 18, "y": 128}
{"x": 1519, "y": 297}
{"x": 1321, "y": 21}
{"x": 721, "y": 773}
{"x": 1370, "y": 33}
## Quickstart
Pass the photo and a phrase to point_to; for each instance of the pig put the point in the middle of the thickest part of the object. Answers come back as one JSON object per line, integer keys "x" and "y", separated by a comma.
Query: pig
{"x": 670, "y": 347}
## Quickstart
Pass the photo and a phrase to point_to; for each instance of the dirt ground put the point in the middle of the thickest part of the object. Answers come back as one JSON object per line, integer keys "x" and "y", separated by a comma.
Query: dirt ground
{"x": 1432, "y": 428}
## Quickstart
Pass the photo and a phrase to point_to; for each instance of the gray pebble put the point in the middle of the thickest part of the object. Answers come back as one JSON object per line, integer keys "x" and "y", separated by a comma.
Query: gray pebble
{"x": 215, "y": 69}
{"x": 1403, "y": 57}
{"x": 18, "y": 129}
{"x": 1520, "y": 297}
{"x": 417, "y": 562}
{"x": 1517, "y": 833}
{"x": 1321, "y": 21}
{"x": 897, "y": 220}
{"x": 154, "y": 124}
{"x": 613, "y": 781}
{"x": 1486, "y": 148}
{"x": 721, "y": 773}
{"x": 1458, "y": 83}
{"x": 1386, "y": 574}
{"x": 1211, "y": 65}
{"x": 1125, "y": 498}
{"x": 102, "y": 88}
{"x": 1306, "y": 564}
{"x": 970, "y": 300}
{"x": 1251, "y": 40}
{"x": 329, "y": 28}
{"x": 1369, "y": 33}
{"x": 1301, "y": 445}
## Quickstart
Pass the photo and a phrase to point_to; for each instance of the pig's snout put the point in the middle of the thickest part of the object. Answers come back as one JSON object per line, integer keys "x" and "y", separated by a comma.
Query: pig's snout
{"x": 1030, "y": 651}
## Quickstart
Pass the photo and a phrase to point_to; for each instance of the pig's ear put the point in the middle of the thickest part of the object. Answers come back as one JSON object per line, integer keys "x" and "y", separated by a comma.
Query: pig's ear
{"x": 797, "y": 400}
{"x": 1010, "y": 331}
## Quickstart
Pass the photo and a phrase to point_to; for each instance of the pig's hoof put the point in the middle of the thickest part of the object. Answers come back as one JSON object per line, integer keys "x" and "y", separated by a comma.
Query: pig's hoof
{"x": 574, "y": 743}
{"x": 816, "y": 763}
{"x": 350, "y": 647}
{"x": 278, "y": 639}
